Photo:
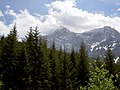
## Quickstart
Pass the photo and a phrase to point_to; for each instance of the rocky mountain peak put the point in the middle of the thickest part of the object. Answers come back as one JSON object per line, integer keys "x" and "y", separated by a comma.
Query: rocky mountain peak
{"x": 96, "y": 40}
{"x": 107, "y": 27}
{"x": 62, "y": 30}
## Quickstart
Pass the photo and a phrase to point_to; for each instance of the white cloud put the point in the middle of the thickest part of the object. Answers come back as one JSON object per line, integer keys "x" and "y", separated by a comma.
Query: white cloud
{"x": 24, "y": 20}
{"x": 3, "y": 28}
{"x": 60, "y": 13}
{"x": 118, "y": 9}
{"x": 118, "y": 4}
{"x": 1, "y": 14}
{"x": 79, "y": 20}
{"x": 7, "y": 7}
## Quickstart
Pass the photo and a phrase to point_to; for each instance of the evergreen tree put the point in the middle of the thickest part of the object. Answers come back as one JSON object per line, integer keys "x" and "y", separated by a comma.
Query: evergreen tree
{"x": 60, "y": 61}
{"x": 109, "y": 61}
{"x": 73, "y": 68}
{"x": 21, "y": 68}
{"x": 9, "y": 56}
{"x": 30, "y": 57}
{"x": 73, "y": 59}
{"x": 65, "y": 81}
{"x": 0, "y": 59}
{"x": 34, "y": 59}
{"x": 2, "y": 42}
{"x": 111, "y": 66}
{"x": 83, "y": 67}
{"x": 45, "y": 66}
{"x": 2, "y": 39}
{"x": 54, "y": 68}
{"x": 31, "y": 65}
{"x": 38, "y": 61}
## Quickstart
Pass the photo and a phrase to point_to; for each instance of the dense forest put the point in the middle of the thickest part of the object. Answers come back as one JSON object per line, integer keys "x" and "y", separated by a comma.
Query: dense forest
{"x": 30, "y": 65}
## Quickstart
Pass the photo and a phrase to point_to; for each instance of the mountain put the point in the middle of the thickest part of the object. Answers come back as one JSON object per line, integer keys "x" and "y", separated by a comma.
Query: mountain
{"x": 96, "y": 40}
{"x": 64, "y": 38}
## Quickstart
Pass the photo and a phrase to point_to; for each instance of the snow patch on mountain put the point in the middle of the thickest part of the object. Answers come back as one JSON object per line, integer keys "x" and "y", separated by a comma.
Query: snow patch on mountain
{"x": 97, "y": 41}
{"x": 105, "y": 47}
{"x": 116, "y": 60}
{"x": 97, "y": 44}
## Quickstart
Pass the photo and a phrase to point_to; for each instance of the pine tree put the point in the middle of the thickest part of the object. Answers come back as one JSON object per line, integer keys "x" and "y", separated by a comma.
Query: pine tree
{"x": 33, "y": 56}
{"x": 60, "y": 61}
{"x": 73, "y": 68}
{"x": 83, "y": 67}
{"x": 2, "y": 42}
{"x": 65, "y": 83}
{"x": 45, "y": 66}
{"x": 73, "y": 59}
{"x": 9, "y": 56}
{"x": 21, "y": 68}
{"x": 30, "y": 57}
{"x": 54, "y": 68}
{"x": 109, "y": 61}
{"x": 2, "y": 39}
{"x": 110, "y": 65}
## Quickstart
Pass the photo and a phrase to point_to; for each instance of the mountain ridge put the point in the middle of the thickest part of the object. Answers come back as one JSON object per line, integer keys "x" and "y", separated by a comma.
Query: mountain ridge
{"x": 96, "y": 40}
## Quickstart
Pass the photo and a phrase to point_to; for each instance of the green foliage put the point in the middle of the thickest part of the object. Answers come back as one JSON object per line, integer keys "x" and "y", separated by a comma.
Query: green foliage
{"x": 54, "y": 67}
{"x": 73, "y": 68}
{"x": 100, "y": 80}
{"x": 9, "y": 57}
{"x": 109, "y": 61}
{"x": 117, "y": 75}
{"x": 45, "y": 67}
{"x": 21, "y": 67}
{"x": 31, "y": 65}
{"x": 38, "y": 61}
{"x": 83, "y": 67}
{"x": 65, "y": 82}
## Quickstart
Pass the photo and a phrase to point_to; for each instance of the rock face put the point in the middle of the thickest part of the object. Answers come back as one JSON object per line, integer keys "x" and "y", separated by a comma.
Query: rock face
{"x": 96, "y": 40}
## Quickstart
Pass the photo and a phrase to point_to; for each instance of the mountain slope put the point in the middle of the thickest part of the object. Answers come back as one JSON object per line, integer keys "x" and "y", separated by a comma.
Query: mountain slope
{"x": 96, "y": 40}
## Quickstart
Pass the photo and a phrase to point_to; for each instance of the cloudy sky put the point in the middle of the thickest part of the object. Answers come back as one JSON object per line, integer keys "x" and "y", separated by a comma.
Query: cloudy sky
{"x": 48, "y": 15}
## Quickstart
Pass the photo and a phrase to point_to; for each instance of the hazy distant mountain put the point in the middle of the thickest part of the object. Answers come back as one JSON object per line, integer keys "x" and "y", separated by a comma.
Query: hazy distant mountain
{"x": 96, "y": 40}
